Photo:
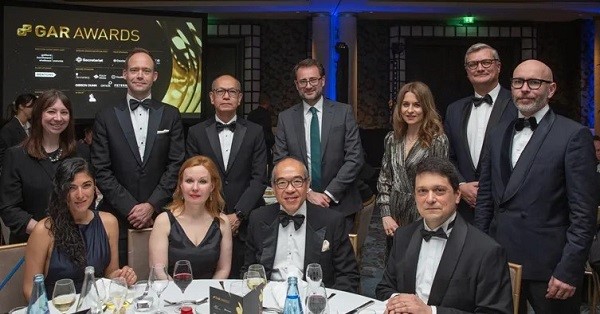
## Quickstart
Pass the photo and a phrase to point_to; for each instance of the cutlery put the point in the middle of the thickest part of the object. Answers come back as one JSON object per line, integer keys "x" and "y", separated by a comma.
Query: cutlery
{"x": 356, "y": 310}
{"x": 195, "y": 302}
{"x": 331, "y": 296}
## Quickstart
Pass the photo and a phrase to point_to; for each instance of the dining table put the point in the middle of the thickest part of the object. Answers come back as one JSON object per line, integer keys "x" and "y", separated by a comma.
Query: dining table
{"x": 274, "y": 293}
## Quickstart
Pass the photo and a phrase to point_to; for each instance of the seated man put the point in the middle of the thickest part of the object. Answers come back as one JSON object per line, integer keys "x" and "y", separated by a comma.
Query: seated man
{"x": 286, "y": 236}
{"x": 441, "y": 263}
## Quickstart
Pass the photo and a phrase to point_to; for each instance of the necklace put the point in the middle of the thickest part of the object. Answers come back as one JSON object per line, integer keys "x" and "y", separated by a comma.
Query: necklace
{"x": 55, "y": 156}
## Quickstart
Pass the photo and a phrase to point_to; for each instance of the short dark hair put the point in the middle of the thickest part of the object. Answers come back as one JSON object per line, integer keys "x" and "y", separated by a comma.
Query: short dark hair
{"x": 440, "y": 166}
{"x": 306, "y": 63}
{"x": 139, "y": 50}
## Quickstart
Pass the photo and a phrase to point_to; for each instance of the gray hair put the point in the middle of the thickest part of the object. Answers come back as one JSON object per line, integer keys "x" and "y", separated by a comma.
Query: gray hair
{"x": 306, "y": 175}
{"x": 480, "y": 46}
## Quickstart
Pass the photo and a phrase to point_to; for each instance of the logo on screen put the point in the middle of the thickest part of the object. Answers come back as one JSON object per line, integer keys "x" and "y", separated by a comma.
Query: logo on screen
{"x": 23, "y": 30}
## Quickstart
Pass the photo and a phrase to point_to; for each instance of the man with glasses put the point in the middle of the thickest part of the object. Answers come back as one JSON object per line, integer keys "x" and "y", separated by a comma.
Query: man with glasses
{"x": 323, "y": 134}
{"x": 287, "y": 236}
{"x": 537, "y": 193}
{"x": 470, "y": 119}
{"x": 237, "y": 146}
{"x": 137, "y": 149}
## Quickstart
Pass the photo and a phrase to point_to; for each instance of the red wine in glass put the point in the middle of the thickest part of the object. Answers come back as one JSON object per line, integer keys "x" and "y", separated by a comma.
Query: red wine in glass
{"x": 182, "y": 274}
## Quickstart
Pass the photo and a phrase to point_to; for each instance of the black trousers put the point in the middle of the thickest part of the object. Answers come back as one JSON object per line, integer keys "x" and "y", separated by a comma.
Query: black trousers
{"x": 535, "y": 293}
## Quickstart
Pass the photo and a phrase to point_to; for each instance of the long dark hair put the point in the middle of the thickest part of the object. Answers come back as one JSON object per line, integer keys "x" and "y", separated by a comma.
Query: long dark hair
{"x": 67, "y": 237}
{"x": 13, "y": 108}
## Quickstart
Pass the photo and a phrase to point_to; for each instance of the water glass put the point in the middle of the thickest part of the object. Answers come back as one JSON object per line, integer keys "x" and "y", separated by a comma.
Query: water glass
{"x": 159, "y": 280}
{"x": 314, "y": 274}
{"x": 117, "y": 292}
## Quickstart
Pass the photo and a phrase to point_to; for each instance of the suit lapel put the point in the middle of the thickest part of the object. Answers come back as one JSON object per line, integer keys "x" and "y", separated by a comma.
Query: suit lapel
{"x": 238, "y": 139}
{"x": 215, "y": 143}
{"x": 505, "y": 160}
{"x": 124, "y": 119}
{"x": 155, "y": 116}
{"x": 270, "y": 230}
{"x": 528, "y": 155}
{"x": 315, "y": 236}
{"x": 299, "y": 127}
{"x": 463, "y": 136}
{"x": 501, "y": 102}
{"x": 448, "y": 261}
{"x": 327, "y": 117}
{"x": 411, "y": 258}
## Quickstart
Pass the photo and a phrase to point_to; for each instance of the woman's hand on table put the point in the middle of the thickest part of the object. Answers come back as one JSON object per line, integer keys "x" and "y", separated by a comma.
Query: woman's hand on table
{"x": 126, "y": 272}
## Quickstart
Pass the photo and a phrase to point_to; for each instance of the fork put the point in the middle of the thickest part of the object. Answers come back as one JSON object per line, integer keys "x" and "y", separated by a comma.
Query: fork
{"x": 195, "y": 302}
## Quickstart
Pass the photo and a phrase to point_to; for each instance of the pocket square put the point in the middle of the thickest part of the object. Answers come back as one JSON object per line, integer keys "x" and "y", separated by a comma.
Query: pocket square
{"x": 165, "y": 131}
{"x": 325, "y": 247}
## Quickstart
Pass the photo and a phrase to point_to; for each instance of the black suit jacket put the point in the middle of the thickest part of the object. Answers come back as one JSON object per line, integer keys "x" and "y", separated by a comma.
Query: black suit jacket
{"x": 455, "y": 126}
{"x": 11, "y": 134}
{"x": 338, "y": 262}
{"x": 245, "y": 177}
{"x": 262, "y": 117}
{"x": 341, "y": 150}
{"x": 543, "y": 212}
{"x": 123, "y": 178}
{"x": 472, "y": 276}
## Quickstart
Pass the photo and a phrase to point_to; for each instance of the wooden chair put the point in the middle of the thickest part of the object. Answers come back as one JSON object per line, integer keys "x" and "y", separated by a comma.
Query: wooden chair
{"x": 362, "y": 220}
{"x": 11, "y": 294}
{"x": 515, "y": 283}
{"x": 137, "y": 256}
{"x": 354, "y": 242}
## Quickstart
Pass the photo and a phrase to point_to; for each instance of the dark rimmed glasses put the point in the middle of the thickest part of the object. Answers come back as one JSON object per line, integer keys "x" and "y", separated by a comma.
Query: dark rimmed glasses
{"x": 313, "y": 81}
{"x": 533, "y": 84}
{"x": 297, "y": 182}
{"x": 233, "y": 93}
{"x": 485, "y": 63}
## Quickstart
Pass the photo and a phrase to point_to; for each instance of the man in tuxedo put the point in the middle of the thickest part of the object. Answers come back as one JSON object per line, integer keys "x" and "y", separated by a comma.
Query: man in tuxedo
{"x": 470, "y": 119}
{"x": 238, "y": 147}
{"x": 441, "y": 263}
{"x": 536, "y": 193}
{"x": 262, "y": 116}
{"x": 323, "y": 134}
{"x": 137, "y": 150}
{"x": 287, "y": 236}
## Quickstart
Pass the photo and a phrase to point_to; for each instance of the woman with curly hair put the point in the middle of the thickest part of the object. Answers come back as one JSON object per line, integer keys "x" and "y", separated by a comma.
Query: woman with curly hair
{"x": 417, "y": 133}
{"x": 73, "y": 236}
{"x": 194, "y": 227}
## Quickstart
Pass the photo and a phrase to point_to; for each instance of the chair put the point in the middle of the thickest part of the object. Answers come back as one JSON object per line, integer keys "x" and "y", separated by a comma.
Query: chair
{"x": 11, "y": 294}
{"x": 354, "y": 242}
{"x": 362, "y": 220}
{"x": 5, "y": 233}
{"x": 137, "y": 256}
{"x": 593, "y": 288}
{"x": 515, "y": 283}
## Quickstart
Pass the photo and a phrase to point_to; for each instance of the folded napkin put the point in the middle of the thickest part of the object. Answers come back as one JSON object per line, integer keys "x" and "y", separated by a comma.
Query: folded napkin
{"x": 276, "y": 291}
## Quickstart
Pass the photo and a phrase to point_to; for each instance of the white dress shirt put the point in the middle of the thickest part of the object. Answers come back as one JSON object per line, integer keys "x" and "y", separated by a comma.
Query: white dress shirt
{"x": 139, "y": 120}
{"x": 226, "y": 138}
{"x": 26, "y": 126}
{"x": 478, "y": 121}
{"x": 521, "y": 138}
{"x": 429, "y": 260}
{"x": 291, "y": 244}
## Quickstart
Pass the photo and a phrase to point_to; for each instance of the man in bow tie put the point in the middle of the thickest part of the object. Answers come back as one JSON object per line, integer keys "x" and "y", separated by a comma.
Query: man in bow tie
{"x": 470, "y": 119}
{"x": 441, "y": 263}
{"x": 137, "y": 149}
{"x": 237, "y": 146}
{"x": 537, "y": 193}
{"x": 287, "y": 236}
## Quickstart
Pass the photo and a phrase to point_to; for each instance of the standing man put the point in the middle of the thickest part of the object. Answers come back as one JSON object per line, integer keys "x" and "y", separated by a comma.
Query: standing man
{"x": 137, "y": 150}
{"x": 441, "y": 261}
{"x": 262, "y": 116}
{"x": 470, "y": 119}
{"x": 287, "y": 236}
{"x": 238, "y": 147}
{"x": 536, "y": 196}
{"x": 323, "y": 134}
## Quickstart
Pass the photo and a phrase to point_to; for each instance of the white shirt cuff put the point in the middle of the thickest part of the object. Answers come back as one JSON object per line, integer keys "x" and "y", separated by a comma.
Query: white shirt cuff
{"x": 433, "y": 309}
{"x": 331, "y": 196}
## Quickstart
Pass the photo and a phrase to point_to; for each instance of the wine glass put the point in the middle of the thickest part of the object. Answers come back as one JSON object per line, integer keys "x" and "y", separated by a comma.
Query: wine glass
{"x": 64, "y": 295}
{"x": 314, "y": 274}
{"x": 260, "y": 269}
{"x": 316, "y": 299}
{"x": 182, "y": 274}
{"x": 159, "y": 280}
{"x": 117, "y": 292}
{"x": 253, "y": 279}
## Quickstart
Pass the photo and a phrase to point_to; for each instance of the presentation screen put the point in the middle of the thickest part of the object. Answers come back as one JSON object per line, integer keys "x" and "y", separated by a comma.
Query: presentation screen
{"x": 81, "y": 51}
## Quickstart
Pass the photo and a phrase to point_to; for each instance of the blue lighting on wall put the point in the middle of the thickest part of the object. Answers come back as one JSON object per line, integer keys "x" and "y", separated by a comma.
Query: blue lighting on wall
{"x": 333, "y": 56}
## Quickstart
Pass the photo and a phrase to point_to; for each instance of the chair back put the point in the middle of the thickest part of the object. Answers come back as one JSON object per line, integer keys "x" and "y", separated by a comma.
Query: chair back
{"x": 515, "y": 283}
{"x": 137, "y": 256}
{"x": 11, "y": 295}
{"x": 354, "y": 242}
{"x": 362, "y": 220}
{"x": 4, "y": 233}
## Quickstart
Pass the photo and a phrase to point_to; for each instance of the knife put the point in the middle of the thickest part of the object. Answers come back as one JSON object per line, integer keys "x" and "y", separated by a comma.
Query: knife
{"x": 356, "y": 310}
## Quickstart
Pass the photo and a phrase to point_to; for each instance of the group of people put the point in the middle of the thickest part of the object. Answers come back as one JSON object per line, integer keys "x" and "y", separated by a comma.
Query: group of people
{"x": 502, "y": 179}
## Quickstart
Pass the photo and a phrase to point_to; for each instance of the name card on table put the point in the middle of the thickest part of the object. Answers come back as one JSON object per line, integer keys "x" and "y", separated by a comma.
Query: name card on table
{"x": 223, "y": 302}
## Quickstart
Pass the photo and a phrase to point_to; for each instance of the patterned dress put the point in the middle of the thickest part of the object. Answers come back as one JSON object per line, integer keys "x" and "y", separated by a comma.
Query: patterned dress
{"x": 396, "y": 183}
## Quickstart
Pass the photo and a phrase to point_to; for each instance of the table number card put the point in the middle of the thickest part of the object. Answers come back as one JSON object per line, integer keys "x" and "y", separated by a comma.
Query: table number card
{"x": 223, "y": 302}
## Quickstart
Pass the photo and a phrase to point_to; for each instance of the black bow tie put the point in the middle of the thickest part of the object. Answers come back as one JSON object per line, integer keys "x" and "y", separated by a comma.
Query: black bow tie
{"x": 478, "y": 101}
{"x": 222, "y": 126}
{"x": 284, "y": 219}
{"x": 134, "y": 103}
{"x": 440, "y": 233}
{"x": 521, "y": 123}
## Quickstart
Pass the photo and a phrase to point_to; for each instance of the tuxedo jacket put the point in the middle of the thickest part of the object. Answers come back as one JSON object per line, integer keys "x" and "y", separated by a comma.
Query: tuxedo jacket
{"x": 543, "y": 212}
{"x": 124, "y": 178}
{"x": 455, "y": 126}
{"x": 244, "y": 177}
{"x": 341, "y": 150}
{"x": 11, "y": 134}
{"x": 472, "y": 276}
{"x": 337, "y": 261}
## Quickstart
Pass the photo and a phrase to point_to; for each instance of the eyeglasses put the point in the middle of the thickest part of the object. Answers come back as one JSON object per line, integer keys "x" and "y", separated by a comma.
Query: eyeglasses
{"x": 533, "y": 84}
{"x": 485, "y": 63}
{"x": 145, "y": 71}
{"x": 233, "y": 93}
{"x": 297, "y": 182}
{"x": 313, "y": 81}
